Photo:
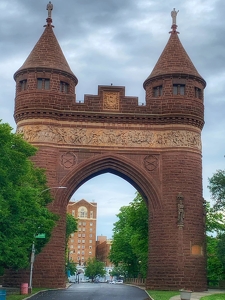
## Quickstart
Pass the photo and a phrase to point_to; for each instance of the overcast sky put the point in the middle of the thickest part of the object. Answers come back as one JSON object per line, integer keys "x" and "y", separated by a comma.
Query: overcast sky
{"x": 119, "y": 42}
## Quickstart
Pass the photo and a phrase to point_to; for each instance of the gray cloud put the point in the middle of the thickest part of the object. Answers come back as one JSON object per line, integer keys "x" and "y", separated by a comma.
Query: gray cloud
{"x": 119, "y": 42}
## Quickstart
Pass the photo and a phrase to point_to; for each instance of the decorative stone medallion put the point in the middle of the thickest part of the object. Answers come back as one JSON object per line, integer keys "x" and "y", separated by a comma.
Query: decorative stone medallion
{"x": 68, "y": 160}
{"x": 151, "y": 162}
{"x": 111, "y": 100}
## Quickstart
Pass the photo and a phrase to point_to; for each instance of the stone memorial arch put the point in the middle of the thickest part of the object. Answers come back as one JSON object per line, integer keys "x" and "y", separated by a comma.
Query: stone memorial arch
{"x": 156, "y": 147}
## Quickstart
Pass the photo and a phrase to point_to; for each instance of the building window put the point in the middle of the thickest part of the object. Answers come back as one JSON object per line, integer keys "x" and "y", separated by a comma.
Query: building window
{"x": 79, "y": 228}
{"x": 157, "y": 91}
{"x": 83, "y": 234}
{"x": 84, "y": 223}
{"x": 23, "y": 85}
{"x": 83, "y": 241}
{"x": 78, "y": 252}
{"x": 82, "y": 212}
{"x": 71, "y": 240}
{"x": 79, "y": 241}
{"x": 198, "y": 93}
{"x": 80, "y": 223}
{"x": 83, "y": 229}
{"x": 78, "y": 246}
{"x": 90, "y": 235}
{"x": 43, "y": 84}
{"x": 90, "y": 241}
{"x": 90, "y": 247}
{"x": 90, "y": 252}
{"x": 91, "y": 224}
{"x": 72, "y": 235}
{"x": 90, "y": 229}
{"x": 73, "y": 213}
{"x": 82, "y": 252}
{"x": 71, "y": 246}
{"x": 91, "y": 214}
{"x": 178, "y": 89}
{"x": 64, "y": 87}
{"x": 83, "y": 247}
{"x": 79, "y": 234}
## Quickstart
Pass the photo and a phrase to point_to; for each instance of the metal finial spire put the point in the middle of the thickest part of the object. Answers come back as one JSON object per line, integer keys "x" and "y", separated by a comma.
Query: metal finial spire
{"x": 174, "y": 19}
{"x": 49, "y": 8}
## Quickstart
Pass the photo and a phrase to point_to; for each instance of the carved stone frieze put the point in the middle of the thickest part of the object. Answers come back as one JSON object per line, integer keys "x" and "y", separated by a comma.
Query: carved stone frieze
{"x": 79, "y": 136}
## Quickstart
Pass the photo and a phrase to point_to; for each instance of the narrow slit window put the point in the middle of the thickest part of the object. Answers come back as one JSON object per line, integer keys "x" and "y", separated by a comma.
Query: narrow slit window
{"x": 23, "y": 85}
{"x": 179, "y": 89}
{"x": 157, "y": 91}
{"x": 43, "y": 84}
{"x": 198, "y": 93}
{"x": 64, "y": 87}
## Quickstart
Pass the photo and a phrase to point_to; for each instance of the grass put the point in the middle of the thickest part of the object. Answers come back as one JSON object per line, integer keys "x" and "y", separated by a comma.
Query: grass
{"x": 163, "y": 295}
{"x": 214, "y": 297}
{"x": 166, "y": 295}
{"x": 20, "y": 297}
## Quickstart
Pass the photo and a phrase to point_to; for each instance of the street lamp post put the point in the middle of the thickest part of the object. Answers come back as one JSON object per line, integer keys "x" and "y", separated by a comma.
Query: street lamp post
{"x": 33, "y": 245}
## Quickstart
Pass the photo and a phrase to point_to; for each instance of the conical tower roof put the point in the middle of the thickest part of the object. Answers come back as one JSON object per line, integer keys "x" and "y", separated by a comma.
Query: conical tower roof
{"x": 47, "y": 53}
{"x": 174, "y": 59}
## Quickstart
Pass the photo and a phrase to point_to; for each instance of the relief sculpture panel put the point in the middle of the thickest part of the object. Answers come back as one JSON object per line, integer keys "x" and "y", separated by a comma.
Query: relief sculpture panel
{"x": 79, "y": 136}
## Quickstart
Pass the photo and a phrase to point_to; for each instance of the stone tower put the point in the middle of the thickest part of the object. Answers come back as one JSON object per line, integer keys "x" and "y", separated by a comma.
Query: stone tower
{"x": 156, "y": 147}
{"x": 174, "y": 94}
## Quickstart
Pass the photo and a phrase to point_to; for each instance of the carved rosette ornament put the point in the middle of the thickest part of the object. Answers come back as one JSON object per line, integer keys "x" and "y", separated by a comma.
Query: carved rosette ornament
{"x": 68, "y": 160}
{"x": 111, "y": 100}
{"x": 103, "y": 137}
{"x": 151, "y": 162}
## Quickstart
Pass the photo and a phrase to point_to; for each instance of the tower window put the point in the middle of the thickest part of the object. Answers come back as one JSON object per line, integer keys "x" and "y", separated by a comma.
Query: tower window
{"x": 43, "y": 84}
{"x": 198, "y": 93}
{"x": 64, "y": 87}
{"x": 157, "y": 91}
{"x": 23, "y": 85}
{"x": 178, "y": 89}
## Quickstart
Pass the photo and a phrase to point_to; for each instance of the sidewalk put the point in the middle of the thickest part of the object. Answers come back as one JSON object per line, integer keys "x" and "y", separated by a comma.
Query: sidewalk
{"x": 198, "y": 295}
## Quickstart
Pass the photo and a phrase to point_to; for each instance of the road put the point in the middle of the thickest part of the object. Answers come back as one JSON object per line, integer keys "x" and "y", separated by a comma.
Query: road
{"x": 94, "y": 291}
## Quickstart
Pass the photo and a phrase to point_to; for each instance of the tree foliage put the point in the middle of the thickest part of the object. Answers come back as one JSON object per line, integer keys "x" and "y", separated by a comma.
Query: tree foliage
{"x": 217, "y": 189}
{"x": 71, "y": 227}
{"x": 130, "y": 238}
{"x": 23, "y": 204}
{"x": 94, "y": 268}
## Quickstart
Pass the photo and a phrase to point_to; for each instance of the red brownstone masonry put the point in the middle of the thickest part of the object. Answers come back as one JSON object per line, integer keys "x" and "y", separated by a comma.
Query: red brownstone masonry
{"x": 156, "y": 147}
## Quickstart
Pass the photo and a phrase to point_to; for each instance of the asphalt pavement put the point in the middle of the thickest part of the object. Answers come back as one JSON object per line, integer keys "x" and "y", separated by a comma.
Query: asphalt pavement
{"x": 94, "y": 291}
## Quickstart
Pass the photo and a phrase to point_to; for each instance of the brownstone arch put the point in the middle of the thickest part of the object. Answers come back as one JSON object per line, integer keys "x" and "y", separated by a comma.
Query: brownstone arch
{"x": 155, "y": 146}
{"x": 117, "y": 165}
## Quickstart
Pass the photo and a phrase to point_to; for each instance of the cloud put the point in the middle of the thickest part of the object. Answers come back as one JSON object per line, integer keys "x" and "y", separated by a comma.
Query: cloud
{"x": 119, "y": 42}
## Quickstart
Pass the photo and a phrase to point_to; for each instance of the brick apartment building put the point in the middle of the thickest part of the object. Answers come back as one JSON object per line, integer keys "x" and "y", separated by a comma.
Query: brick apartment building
{"x": 82, "y": 244}
{"x": 103, "y": 246}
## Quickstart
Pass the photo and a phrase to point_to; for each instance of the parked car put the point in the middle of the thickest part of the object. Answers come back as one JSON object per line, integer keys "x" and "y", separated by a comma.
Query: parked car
{"x": 119, "y": 281}
{"x": 112, "y": 282}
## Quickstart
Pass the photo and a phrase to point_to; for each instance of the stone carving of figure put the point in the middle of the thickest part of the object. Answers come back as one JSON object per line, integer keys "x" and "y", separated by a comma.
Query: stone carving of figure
{"x": 49, "y": 9}
{"x": 180, "y": 210}
{"x": 174, "y": 16}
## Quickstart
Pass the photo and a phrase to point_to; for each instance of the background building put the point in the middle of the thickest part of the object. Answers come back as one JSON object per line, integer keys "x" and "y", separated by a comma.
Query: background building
{"x": 103, "y": 247}
{"x": 82, "y": 244}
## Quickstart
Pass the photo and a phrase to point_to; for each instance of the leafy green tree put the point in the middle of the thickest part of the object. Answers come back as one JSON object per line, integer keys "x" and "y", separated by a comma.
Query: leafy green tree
{"x": 217, "y": 189}
{"x": 23, "y": 204}
{"x": 94, "y": 268}
{"x": 71, "y": 227}
{"x": 130, "y": 238}
{"x": 119, "y": 271}
{"x": 215, "y": 229}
